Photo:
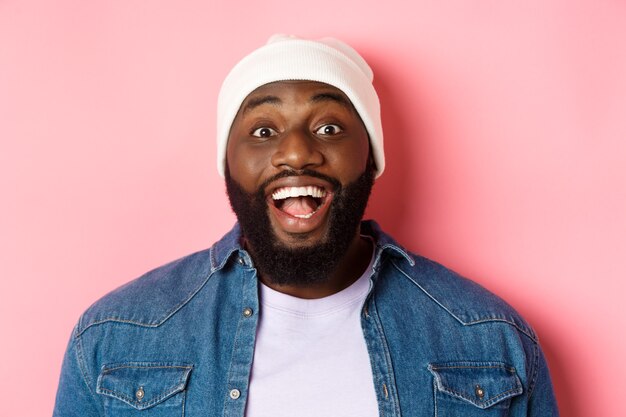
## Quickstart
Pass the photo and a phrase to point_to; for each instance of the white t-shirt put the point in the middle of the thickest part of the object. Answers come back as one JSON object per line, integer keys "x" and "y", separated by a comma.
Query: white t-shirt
{"x": 310, "y": 357}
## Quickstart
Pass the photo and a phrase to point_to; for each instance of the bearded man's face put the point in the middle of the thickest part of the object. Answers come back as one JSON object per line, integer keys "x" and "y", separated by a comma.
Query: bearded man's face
{"x": 298, "y": 177}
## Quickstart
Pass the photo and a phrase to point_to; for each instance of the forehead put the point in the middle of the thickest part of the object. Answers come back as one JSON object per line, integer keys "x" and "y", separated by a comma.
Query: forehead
{"x": 279, "y": 92}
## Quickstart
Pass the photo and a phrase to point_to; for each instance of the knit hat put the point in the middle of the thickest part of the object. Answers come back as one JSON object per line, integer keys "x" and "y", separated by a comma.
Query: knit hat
{"x": 285, "y": 58}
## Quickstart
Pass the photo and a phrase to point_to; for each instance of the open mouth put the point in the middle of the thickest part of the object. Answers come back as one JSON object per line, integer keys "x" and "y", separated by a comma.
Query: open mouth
{"x": 300, "y": 202}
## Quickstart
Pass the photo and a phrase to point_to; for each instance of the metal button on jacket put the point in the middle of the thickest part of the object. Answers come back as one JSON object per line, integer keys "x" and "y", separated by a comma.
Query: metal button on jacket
{"x": 139, "y": 394}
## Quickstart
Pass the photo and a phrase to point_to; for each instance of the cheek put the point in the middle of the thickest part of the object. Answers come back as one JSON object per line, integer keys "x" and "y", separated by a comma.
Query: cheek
{"x": 246, "y": 165}
{"x": 351, "y": 160}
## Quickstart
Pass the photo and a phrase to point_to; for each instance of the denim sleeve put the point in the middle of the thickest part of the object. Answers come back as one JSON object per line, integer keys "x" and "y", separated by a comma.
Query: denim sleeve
{"x": 542, "y": 402}
{"x": 75, "y": 397}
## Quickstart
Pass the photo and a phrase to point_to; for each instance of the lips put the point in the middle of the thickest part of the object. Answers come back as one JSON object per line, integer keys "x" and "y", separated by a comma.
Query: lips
{"x": 299, "y": 204}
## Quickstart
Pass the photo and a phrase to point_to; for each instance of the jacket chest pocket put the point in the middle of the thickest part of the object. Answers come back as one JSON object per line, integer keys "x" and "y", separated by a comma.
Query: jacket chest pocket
{"x": 474, "y": 389}
{"x": 144, "y": 389}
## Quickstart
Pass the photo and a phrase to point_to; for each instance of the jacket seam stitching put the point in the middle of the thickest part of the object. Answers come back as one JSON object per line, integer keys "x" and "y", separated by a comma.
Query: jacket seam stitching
{"x": 512, "y": 323}
{"x": 109, "y": 370}
{"x": 166, "y": 317}
{"x": 82, "y": 366}
{"x": 491, "y": 401}
{"x": 533, "y": 380}
{"x": 212, "y": 257}
{"x": 215, "y": 263}
{"x": 507, "y": 368}
{"x": 435, "y": 396}
{"x": 125, "y": 398}
{"x": 469, "y": 323}
{"x": 391, "y": 373}
{"x": 397, "y": 249}
{"x": 232, "y": 355}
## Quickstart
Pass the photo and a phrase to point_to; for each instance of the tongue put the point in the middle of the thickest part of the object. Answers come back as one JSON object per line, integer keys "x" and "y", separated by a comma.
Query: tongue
{"x": 299, "y": 205}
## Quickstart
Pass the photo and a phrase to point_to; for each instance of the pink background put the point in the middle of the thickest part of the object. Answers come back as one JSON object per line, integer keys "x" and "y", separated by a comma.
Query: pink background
{"x": 505, "y": 127}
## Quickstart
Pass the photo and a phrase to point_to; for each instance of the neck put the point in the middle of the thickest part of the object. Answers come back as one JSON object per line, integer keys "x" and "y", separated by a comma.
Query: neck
{"x": 351, "y": 266}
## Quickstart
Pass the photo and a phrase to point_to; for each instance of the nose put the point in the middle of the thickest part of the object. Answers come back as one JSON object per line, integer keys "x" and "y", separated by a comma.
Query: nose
{"x": 297, "y": 150}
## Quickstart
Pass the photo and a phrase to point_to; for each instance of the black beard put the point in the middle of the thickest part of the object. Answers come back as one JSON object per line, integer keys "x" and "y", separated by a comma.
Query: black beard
{"x": 300, "y": 266}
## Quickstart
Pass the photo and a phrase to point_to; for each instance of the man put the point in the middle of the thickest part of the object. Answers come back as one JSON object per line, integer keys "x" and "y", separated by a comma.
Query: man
{"x": 302, "y": 309}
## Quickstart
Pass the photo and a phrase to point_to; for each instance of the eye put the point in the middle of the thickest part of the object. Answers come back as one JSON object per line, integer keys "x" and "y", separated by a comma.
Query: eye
{"x": 329, "y": 130}
{"x": 264, "y": 132}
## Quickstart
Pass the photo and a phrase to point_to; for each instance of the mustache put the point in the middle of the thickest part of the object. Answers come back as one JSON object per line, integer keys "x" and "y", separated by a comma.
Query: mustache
{"x": 300, "y": 173}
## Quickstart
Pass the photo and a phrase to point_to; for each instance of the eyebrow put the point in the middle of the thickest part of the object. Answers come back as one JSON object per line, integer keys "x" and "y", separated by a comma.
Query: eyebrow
{"x": 334, "y": 97}
{"x": 317, "y": 98}
{"x": 259, "y": 101}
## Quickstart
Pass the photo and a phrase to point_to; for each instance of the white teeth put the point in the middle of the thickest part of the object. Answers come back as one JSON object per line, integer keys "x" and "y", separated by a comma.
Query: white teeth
{"x": 287, "y": 192}
{"x": 304, "y": 216}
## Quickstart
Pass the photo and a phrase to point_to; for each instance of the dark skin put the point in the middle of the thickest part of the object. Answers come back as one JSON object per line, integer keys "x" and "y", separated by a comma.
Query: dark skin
{"x": 293, "y": 125}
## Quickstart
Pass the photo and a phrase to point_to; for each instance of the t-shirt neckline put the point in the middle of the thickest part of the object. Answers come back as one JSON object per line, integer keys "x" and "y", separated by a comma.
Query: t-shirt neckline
{"x": 301, "y": 307}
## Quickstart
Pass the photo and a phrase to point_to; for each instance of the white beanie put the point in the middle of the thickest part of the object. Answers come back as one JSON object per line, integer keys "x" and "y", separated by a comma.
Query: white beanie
{"x": 285, "y": 58}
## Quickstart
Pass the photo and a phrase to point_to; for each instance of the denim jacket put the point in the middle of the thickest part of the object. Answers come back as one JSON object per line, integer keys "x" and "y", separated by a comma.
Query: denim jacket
{"x": 179, "y": 341}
